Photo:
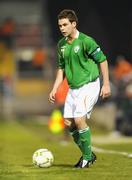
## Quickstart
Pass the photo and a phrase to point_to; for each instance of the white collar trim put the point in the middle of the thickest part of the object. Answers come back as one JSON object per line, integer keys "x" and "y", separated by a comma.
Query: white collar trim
{"x": 77, "y": 34}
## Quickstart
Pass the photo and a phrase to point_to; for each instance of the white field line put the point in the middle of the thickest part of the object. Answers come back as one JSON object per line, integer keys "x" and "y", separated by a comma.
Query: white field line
{"x": 111, "y": 139}
{"x": 107, "y": 151}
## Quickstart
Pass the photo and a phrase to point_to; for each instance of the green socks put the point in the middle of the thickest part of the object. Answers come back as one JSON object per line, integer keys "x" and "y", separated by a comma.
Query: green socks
{"x": 85, "y": 139}
{"x": 75, "y": 135}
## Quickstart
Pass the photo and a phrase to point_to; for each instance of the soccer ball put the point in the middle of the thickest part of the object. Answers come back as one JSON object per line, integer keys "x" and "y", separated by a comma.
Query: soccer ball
{"x": 43, "y": 158}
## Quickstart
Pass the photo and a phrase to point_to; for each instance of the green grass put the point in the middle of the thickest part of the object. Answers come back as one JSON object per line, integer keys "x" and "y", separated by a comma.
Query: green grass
{"x": 18, "y": 141}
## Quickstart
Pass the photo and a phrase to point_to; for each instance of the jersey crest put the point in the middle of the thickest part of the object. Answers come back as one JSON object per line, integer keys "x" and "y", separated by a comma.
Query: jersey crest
{"x": 76, "y": 48}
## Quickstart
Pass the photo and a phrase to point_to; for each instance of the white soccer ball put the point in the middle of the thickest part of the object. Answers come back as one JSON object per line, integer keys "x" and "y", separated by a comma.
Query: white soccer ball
{"x": 43, "y": 158}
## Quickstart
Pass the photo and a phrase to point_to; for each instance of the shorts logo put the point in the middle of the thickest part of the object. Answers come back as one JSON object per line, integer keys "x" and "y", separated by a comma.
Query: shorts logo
{"x": 76, "y": 49}
{"x": 78, "y": 112}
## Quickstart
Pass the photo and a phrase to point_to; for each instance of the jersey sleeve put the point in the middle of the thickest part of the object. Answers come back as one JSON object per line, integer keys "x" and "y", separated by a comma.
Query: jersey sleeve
{"x": 94, "y": 51}
{"x": 61, "y": 63}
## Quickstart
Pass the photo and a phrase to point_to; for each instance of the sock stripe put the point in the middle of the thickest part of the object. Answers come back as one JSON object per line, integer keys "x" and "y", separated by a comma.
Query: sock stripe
{"x": 83, "y": 130}
{"x": 73, "y": 132}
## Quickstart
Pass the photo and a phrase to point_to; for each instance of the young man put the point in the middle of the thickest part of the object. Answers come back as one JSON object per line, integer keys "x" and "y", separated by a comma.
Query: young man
{"x": 80, "y": 59}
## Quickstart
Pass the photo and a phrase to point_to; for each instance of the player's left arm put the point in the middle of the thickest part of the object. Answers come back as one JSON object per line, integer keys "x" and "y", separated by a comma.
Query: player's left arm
{"x": 98, "y": 56}
{"x": 105, "y": 89}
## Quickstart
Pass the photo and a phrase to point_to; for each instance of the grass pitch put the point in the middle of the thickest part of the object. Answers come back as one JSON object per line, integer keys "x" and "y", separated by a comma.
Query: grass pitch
{"x": 19, "y": 140}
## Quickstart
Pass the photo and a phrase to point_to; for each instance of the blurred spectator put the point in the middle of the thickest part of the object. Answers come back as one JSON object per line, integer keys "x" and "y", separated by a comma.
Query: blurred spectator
{"x": 7, "y": 31}
{"x": 7, "y": 70}
{"x": 61, "y": 93}
{"x": 122, "y": 75}
{"x": 122, "y": 68}
{"x": 31, "y": 62}
{"x": 39, "y": 59}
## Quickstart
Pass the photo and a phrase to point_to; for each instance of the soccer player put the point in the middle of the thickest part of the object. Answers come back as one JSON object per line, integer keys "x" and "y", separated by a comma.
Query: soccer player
{"x": 81, "y": 60}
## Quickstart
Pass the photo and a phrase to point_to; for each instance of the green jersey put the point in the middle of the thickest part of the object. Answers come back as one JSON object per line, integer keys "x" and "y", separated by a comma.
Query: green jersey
{"x": 80, "y": 60}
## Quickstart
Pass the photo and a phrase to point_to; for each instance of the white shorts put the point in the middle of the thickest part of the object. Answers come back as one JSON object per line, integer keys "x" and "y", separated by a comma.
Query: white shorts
{"x": 80, "y": 102}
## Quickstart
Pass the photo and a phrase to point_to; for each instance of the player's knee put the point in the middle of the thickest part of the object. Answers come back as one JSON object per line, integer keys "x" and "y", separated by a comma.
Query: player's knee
{"x": 80, "y": 123}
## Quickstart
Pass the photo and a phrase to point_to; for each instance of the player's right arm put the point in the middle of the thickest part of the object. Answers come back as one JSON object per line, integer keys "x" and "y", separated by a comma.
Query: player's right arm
{"x": 58, "y": 81}
{"x": 60, "y": 73}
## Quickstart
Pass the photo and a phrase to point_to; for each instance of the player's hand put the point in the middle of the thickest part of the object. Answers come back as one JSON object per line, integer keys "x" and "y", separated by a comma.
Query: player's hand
{"x": 105, "y": 91}
{"x": 52, "y": 96}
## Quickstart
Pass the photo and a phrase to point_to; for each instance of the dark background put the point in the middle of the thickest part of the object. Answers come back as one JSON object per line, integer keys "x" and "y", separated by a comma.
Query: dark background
{"x": 109, "y": 22}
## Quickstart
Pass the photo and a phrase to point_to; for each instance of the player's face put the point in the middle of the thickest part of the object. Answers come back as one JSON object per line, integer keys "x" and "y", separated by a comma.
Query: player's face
{"x": 66, "y": 27}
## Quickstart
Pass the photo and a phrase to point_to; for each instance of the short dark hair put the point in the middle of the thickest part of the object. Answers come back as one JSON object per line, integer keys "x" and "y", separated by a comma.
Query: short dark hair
{"x": 68, "y": 13}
